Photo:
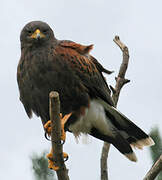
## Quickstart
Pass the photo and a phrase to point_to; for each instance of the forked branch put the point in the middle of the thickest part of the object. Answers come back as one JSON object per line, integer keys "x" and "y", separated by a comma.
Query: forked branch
{"x": 120, "y": 82}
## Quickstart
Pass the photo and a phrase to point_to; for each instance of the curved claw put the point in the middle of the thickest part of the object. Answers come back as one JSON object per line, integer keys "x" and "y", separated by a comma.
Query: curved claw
{"x": 46, "y": 136}
{"x": 66, "y": 158}
{"x": 62, "y": 142}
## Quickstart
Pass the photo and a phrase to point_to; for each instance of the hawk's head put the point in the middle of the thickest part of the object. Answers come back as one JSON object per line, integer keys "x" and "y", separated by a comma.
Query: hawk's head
{"x": 36, "y": 33}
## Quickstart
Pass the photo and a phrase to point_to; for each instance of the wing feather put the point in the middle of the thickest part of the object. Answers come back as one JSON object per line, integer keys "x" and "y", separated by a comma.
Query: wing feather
{"x": 87, "y": 68}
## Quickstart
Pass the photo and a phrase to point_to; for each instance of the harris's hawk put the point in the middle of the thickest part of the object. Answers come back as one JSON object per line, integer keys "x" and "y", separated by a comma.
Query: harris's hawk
{"x": 48, "y": 64}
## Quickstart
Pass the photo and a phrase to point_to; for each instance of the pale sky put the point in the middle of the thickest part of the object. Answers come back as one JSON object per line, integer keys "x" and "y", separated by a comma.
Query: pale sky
{"x": 139, "y": 25}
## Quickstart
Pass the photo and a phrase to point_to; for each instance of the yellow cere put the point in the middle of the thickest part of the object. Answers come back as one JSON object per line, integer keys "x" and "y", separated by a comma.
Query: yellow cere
{"x": 37, "y": 33}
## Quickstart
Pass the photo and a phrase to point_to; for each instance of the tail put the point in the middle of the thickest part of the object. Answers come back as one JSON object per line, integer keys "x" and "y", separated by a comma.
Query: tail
{"x": 117, "y": 140}
{"x": 126, "y": 134}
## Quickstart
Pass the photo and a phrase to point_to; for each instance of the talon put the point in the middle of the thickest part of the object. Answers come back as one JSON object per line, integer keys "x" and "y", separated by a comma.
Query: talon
{"x": 65, "y": 156}
{"x": 62, "y": 142}
{"x": 51, "y": 163}
{"x": 48, "y": 124}
{"x": 46, "y": 136}
{"x": 47, "y": 128}
{"x": 52, "y": 166}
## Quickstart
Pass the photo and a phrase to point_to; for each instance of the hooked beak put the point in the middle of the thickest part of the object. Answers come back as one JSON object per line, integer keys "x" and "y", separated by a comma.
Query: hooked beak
{"x": 37, "y": 34}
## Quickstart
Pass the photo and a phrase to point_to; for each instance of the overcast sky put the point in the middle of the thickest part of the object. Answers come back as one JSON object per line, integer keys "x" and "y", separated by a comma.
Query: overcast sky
{"x": 139, "y": 25}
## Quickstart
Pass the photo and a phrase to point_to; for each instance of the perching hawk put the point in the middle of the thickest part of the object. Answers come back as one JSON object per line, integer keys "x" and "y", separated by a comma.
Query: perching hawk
{"x": 48, "y": 64}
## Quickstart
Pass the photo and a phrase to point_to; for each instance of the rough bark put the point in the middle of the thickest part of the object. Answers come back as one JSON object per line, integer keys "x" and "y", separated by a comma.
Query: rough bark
{"x": 120, "y": 82}
{"x": 57, "y": 147}
{"x": 155, "y": 170}
{"x": 104, "y": 156}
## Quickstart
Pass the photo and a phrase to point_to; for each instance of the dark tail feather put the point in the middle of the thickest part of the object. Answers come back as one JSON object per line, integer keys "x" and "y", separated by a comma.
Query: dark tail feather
{"x": 118, "y": 141}
{"x": 136, "y": 137}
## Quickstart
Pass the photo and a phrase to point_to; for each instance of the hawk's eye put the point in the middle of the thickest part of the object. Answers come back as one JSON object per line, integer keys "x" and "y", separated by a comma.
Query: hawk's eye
{"x": 45, "y": 30}
{"x": 29, "y": 31}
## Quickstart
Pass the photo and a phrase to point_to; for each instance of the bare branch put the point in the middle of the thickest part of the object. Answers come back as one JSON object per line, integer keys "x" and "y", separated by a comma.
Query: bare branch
{"x": 104, "y": 156}
{"x": 120, "y": 82}
{"x": 155, "y": 170}
{"x": 57, "y": 147}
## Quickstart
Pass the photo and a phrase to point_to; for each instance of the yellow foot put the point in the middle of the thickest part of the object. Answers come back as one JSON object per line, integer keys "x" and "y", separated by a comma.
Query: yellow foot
{"x": 47, "y": 126}
{"x": 63, "y": 121}
{"x": 51, "y": 164}
{"x": 65, "y": 156}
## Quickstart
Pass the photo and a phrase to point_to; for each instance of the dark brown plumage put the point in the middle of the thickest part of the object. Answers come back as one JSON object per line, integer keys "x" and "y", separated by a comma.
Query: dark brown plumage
{"x": 48, "y": 64}
{"x": 51, "y": 64}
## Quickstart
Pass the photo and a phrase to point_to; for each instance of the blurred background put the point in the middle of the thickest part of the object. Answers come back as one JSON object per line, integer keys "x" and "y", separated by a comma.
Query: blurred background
{"x": 139, "y": 25}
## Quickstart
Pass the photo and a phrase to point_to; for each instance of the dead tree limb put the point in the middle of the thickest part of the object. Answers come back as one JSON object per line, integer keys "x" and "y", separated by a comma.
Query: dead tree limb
{"x": 155, "y": 170}
{"x": 104, "y": 156}
{"x": 57, "y": 147}
{"x": 120, "y": 82}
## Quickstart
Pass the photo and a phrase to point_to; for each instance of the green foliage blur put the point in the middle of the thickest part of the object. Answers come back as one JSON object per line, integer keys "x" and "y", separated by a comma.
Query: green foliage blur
{"x": 40, "y": 167}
